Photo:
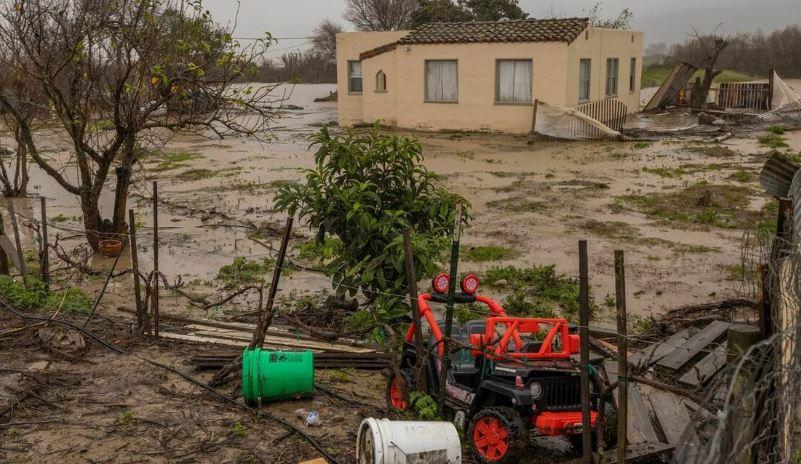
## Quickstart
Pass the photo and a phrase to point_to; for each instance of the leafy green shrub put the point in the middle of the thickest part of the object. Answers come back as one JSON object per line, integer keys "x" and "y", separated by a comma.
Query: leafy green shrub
{"x": 518, "y": 304}
{"x": 37, "y": 298}
{"x": 365, "y": 190}
{"x": 315, "y": 250}
{"x": 424, "y": 406}
{"x": 775, "y": 130}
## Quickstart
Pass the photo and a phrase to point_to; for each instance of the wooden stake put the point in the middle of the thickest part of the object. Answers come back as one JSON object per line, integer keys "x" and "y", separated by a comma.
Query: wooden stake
{"x": 156, "y": 258}
{"x": 135, "y": 268}
{"x": 584, "y": 322}
{"x": 622, "y": 360}
{"x": 265, "y": 317}
{"x": 3, "y": 256}
{"x": 534, "y": 117}
{"x": 446, "y": 362}
{"x": 23, "y": 269}
{"x": 411, "y": 285}
{"x": 45, "y": 258}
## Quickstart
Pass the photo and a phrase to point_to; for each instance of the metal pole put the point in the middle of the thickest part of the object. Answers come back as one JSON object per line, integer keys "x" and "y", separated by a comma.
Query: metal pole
{"x": 45, "y": 258}
{"x": 584, "y": 321}
{"x": 23, "y": 269}
{"x": 622, "y": 360}
{"x": 446, "y": 362}
{"x": 411, "y": 285}
{"x": 156, "y": 258}
{"x": 135, "y": 268}
{"x": 265, "y": 318}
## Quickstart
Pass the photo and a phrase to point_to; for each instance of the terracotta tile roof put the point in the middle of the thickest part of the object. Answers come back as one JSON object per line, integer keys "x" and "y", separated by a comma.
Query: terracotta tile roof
{"x": 526, "y": 30}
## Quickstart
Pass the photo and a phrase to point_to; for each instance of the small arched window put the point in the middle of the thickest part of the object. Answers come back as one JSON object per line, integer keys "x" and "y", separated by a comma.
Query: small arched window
{"x": 380, "y": 82}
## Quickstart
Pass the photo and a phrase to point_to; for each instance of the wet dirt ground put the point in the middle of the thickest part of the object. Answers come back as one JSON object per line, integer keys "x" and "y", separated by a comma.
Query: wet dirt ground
{"x": 537, "y": 199}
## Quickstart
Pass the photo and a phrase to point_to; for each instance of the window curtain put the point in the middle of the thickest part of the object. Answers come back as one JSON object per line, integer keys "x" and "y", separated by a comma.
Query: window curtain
{"x": 442, "y": 80}
{"x": 514, "y": 81}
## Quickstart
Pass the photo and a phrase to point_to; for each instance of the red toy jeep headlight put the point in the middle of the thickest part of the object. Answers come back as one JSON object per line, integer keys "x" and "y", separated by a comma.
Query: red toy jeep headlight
{"x": 470, "y": 284}
{"x": 441, "y": 282}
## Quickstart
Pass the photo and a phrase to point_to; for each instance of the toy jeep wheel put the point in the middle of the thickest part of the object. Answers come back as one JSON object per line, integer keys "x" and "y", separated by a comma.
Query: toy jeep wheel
{"x": 397, "y": 400}
{"x": 497, "y": 435}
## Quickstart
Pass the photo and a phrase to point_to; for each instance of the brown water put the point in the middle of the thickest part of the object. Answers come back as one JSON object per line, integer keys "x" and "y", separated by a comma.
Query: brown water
{"x": 202, "y": 226}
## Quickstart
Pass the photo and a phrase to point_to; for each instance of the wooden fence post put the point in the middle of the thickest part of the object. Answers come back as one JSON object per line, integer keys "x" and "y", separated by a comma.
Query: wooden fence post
{"x": 45, "y": 258}
{"x": 135, "y": 269}
{"x": 411, "y": 285}
{"x": 584, "y": 322}
{"x": 266, "y": 317}
{"x": 3, "y": 257}
{"x": 534, "y": 117}
{"x": 622, "y": 360}
{"x": 23, "y": 269}
{"x": 156, "y": 258}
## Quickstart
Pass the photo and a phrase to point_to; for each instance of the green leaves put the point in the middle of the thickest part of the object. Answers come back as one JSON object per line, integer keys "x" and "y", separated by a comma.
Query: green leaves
{"x": 367, "y": 188}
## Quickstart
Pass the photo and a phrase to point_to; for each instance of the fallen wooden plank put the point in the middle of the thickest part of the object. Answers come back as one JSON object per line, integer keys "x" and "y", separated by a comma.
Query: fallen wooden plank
{"x": 280, "y": 341}
{"x": 658, "y": 350}
{"x": 11, "y": 251}
{"x": 639, "y": 428}
{"x": 672, "y": 417}
{"x": 640, "y": 452}
{"x": 694, "y": 346}
{"x": 702, "y": 372}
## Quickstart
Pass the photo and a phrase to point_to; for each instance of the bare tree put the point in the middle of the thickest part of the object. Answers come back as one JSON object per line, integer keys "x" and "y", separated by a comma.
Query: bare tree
{"x": 28, "y": 102}
{"x": 712, "y": 45}
{"x": 324, "y": 40}
{"x": 120, "y": 77}
{"x": 380, "y": 15}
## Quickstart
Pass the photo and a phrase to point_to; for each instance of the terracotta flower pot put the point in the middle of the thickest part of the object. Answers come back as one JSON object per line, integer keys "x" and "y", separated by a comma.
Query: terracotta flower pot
{"x": 110, "y": 248}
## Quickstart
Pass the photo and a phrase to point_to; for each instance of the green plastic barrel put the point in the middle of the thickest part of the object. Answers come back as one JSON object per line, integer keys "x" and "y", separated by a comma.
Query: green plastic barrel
{"x": 270, "y": 375}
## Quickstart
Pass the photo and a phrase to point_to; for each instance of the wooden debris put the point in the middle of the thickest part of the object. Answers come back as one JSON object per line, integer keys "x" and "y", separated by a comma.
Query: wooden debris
{"x": 672, "y": 416}
{"x": 653, "y": 353}
{"x": 694, "y": 346}
{"x": 640, "y": 429}
{"x": 702, "y": 372}
{"x": 640, "y": 452}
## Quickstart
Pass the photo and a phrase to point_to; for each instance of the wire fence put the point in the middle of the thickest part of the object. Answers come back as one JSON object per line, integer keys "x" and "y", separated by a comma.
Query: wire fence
{"x": 751, "y": 412}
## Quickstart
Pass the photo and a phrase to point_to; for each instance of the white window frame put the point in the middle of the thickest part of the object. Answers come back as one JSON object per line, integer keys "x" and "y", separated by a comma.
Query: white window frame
{"x": 352, "y": 77}
{"x": 612, "y": 79}
{"x": 515, "y": 101}
{"x": 633, "y": 74}
{"x": 585, "y": 83}
{"x": 425, "y": 81}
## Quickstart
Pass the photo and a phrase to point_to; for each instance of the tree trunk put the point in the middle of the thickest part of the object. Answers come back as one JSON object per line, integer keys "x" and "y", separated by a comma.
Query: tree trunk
{"x": 97, "y": 228}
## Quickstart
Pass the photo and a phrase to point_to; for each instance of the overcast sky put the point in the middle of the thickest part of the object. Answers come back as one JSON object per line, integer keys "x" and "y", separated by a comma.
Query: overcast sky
{"x": 660, "y": 20}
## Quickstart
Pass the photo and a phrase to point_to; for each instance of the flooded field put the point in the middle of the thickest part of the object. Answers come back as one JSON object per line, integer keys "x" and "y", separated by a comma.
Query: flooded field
{"x": 536, "y": 200}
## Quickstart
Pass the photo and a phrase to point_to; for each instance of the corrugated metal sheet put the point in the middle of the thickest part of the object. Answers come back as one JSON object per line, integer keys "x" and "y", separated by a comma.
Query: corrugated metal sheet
{"x": 777, "y": 175}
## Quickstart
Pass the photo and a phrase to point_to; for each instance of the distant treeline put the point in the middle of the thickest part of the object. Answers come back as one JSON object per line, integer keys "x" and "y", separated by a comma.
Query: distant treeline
{"x": 754, "y": 54}
{"x": 306, "y": 67}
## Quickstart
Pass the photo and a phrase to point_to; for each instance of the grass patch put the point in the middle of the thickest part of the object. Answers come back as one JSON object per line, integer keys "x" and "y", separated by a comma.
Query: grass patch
{"x": 541, "y": 285}
{"x": 488, "y": 253}
{"x": 36, "y": 297}
{"x": 666, "y": 172}
{"x": 715, "y": 151}
{"x": 775, "y": 130}
{"x": 518, "y": 204}
{"x": 724, "y": 206}
{"x": 640, "y": 145}
{"x": 623, "y": 232}
{"x": 242, "y": 271}
{"x": 742, "y": 176}
{"x": 773, "y": 140}
{"x": 174, "y": 160}
{"x": 192, "y": 175}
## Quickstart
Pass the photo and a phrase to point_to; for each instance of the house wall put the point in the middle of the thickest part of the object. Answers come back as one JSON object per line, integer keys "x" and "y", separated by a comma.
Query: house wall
{"x": 476, "y": 108}
{"x": 598, "y": 44}
{"x": 555, "y": 76}
{"x": 349, "y": 46}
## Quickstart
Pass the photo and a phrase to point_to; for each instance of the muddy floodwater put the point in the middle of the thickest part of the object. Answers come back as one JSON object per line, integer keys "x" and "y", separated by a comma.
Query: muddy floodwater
{"x": 537, "y": 199}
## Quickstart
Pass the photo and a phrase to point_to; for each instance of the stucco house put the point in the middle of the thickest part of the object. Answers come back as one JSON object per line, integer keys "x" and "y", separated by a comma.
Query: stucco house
{"x": 483, "y": 75}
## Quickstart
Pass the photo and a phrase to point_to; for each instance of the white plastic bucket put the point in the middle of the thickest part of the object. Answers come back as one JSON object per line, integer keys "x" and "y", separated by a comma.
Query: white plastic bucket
{"x": 382, "y": 441}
